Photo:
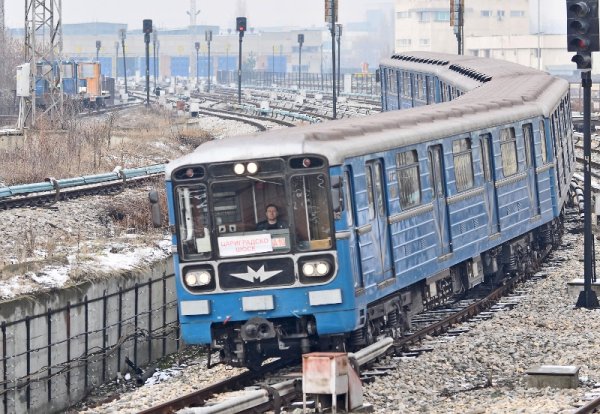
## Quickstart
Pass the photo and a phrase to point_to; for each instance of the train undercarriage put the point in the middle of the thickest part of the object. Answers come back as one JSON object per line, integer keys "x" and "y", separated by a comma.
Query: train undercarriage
{"x": 249, "y": 343}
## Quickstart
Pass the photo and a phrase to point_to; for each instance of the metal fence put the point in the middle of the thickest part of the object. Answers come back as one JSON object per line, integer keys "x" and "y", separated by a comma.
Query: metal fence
{"x": 50, "y": 359}
{"x": 364, "y": 84}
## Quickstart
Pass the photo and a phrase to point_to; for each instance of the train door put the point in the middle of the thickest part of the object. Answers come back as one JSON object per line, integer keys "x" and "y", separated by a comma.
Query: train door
{"x": 375, "y": 246}
{"x": 489, "y": 183}
{"x": 353, "y": 242}
{"x": 530, "y": 165}
{"x": 440, "y": 205}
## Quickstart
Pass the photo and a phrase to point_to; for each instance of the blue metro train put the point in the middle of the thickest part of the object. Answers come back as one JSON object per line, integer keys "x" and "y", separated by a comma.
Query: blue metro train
{"x": 379, "y": 217}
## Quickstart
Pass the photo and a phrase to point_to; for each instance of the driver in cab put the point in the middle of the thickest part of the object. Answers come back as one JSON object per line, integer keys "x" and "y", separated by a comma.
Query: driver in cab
{"x": 273, "y": 221}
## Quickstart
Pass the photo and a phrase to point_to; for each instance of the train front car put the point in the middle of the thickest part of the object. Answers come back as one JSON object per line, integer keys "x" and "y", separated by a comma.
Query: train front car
{"x": 248, "y": 289}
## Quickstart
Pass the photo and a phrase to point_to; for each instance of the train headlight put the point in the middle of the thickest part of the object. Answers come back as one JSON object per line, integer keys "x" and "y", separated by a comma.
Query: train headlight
{"x": 308, "y": 269}
{"x": 198, "y": 278}
{"x": 239, "y": 169}
{"x": 322, "y": 268}
{"x": 252, "y": 168}
{"x": 317, "y": 268}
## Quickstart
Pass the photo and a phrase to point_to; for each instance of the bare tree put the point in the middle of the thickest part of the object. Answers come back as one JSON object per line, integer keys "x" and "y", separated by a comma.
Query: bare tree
{"x": 10, "y": 57}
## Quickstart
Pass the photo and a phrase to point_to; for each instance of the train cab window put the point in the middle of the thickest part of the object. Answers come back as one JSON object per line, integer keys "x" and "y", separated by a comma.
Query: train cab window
{"x": 311, "y": 212}
{"x": 508, "y": 148}
{"x": 407, "y": 164}
{"x": 463, "y": 164}
{"x": 543, "y": 149}
{"x": 194, "y": 225}
{"x": 189, "y": 173}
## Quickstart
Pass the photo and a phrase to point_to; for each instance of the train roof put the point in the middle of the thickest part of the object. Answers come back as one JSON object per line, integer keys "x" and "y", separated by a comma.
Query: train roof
{"x": 496, "y": 93}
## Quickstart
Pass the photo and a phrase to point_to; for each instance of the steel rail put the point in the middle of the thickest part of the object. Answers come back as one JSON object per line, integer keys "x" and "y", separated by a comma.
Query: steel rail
{"x": 590, "y": 407}
{"x": 199, "y": 397}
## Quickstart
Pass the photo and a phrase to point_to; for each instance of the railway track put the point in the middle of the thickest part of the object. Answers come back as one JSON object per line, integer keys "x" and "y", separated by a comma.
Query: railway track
{"x": 52, "y": 191}
{"x": 432, "y": 323}
{"x": 256, "y": 121}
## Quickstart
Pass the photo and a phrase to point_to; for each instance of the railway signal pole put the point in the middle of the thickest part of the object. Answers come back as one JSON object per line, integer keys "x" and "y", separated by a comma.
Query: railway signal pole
{"x": 98, "y": 47}
{"x": 300, "y": 42}
{"x": 154, "y": 64}
{"x": 241, "y": 24}
{"x": 147, "y": 27}
{"x": 331, "y": 8}
{"x": 208, "y": 36}
{"x": 583, "y": 38}
{"x": 197, "y": 47}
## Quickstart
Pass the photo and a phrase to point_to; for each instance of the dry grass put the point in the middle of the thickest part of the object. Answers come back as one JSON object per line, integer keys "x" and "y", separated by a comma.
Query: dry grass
{"x": 133, "y": 215}
{"x": 97, "y": 145}
{"x": 136, "y": 138}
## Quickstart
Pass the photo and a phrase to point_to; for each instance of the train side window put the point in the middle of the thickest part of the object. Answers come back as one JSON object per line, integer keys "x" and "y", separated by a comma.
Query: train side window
{"x": 463, "y": 164}
{"x": 406, "y": 84}
{"x": 407, "y": 164}
{"x": 543, "y": 142}
{"x": 486, "y": 154}
{"x": 508, "y": 148}
{"x": 379, "y": 189}
{"x": 528, "y": 135}
{"x": 392, "y": 84}
{"x": 370, "y": 197}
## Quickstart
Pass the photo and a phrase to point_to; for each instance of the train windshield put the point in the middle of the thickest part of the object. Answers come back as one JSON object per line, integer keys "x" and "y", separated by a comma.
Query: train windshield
{"x": 249, "y": 216}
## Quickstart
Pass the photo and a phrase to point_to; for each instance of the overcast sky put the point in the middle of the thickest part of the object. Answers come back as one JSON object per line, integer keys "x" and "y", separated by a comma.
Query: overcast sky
{"x": 260, "y": 13}
{"x": 172, "y": 13}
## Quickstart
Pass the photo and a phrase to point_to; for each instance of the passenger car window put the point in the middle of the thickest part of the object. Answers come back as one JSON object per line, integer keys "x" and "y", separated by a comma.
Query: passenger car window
{"x": 407, "y": 164}
{"x": 463, "y": 164}
{"x": 508, "y": 147}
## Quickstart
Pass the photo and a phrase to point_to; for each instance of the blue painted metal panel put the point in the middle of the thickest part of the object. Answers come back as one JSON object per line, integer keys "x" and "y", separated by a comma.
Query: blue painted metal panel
{"x": 180, "y": 66}
{"x": 106, "y": 66}
{"x": 227, "y": 62}
{"x": 142, "y": 65}
{"x": 132, "y": 66}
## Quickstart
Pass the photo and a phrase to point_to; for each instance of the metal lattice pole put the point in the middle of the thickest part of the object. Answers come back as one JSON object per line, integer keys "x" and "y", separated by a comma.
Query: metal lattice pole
{"x": 43, "y": 51}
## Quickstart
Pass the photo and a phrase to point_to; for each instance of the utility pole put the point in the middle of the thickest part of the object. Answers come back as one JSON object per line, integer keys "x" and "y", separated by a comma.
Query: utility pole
{"x": 43, "y": 43}
{"x": 123, "y": 34}
{"x": 339, "y": 56}
{"x": 583, "y": 38}
{"x": 322, "y": 88}
{"x": 193, "y": 13}
{"x": 116, "y": 61}
{"x": 457, "y": 20}
{"x": 273, "y": 66}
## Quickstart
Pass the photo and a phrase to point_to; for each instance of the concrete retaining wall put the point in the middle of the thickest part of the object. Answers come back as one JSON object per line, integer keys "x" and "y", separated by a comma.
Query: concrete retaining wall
{"x": 56, "y": 346}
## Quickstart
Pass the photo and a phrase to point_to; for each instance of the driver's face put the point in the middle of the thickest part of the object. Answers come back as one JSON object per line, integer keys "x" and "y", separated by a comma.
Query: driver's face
{"x": 271, "y": 213}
